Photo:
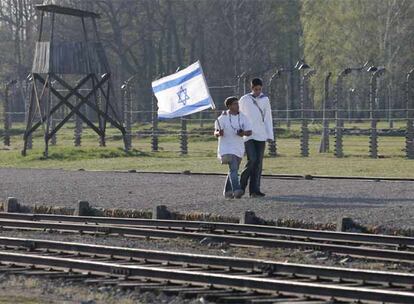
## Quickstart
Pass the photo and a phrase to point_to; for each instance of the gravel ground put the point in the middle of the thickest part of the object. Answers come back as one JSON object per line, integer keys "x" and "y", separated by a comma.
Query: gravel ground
{"x": 368, "y": 202}
{"x": 38, "y": 290}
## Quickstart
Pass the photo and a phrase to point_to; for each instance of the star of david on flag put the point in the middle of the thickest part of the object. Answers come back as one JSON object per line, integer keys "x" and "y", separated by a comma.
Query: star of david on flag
{"x": 183, "y": 93}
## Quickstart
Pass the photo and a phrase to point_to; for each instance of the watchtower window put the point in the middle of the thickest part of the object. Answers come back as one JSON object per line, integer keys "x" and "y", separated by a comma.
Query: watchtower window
{"x": 68, "y": 42}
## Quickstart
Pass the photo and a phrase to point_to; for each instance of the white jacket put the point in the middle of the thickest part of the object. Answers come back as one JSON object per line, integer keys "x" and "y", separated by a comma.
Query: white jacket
{"x": 259, "y": 113}
{"x": 230, "y": 142}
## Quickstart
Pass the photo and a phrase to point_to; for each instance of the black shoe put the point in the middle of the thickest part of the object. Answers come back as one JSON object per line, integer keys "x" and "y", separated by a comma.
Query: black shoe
{"x": 257, "y": 194}
{"x": 238, "y": 193}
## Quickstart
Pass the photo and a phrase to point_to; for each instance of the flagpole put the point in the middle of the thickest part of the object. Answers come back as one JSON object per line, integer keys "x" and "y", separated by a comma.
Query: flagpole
{"x": 154, "y": 118}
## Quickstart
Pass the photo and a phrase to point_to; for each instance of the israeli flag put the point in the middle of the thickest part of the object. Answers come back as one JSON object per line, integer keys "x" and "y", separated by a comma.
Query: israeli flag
{"x": 183, "y": 93}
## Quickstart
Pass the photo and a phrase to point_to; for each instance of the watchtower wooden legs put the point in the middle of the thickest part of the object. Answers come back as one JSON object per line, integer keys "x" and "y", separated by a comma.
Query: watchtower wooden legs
{"x": 41, "y": 108}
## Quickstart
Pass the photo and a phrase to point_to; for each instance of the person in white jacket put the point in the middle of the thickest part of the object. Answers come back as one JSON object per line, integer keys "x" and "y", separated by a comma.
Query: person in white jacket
{"x": 230, "y": 128}
{"x": 256, "y": 106}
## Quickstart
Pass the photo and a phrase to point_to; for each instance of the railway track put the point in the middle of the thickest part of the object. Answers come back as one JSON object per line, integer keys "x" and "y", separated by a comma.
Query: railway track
{"x": 369, "y": 246}
{"x": 217, "y": 279}
{"x": 273, "y": 176}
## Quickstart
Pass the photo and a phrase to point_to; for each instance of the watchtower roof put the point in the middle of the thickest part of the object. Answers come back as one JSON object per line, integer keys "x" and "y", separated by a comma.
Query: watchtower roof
{"x": 52, "y": 8}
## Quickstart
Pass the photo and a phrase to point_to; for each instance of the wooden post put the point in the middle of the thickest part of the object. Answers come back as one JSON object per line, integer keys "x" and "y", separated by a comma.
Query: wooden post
{"x": 409, "y": 136}
{"x": 324, "y": 147}
{"x": 272, "y": 145}
{"x": 6, "y": 116}
{"x": 183, "y": 137}
{"x": 338, "y": 116}
{"x": 373, "y": 136}
{"x": 304, "y": 139}
{"x": 78, "y": 131}
{"x": 53, "y": 140}
{"x": 128, "y": 114}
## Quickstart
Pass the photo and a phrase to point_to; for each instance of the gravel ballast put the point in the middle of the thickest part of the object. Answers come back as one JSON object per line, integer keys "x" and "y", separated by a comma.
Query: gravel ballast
{"x": 388, "y": 203}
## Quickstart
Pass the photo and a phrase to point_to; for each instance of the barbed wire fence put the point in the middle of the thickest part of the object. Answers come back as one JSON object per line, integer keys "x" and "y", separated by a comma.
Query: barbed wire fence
{"x": 350, "y": 110}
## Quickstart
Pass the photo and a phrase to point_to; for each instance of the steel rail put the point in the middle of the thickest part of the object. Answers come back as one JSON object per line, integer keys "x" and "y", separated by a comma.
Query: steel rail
{"x": 267, "y": 176}
{"x": 372, "y": 253}
{"x": 264, "y": 266}
{"x": 334, "y": 236}
{"x": 218, "y": 280}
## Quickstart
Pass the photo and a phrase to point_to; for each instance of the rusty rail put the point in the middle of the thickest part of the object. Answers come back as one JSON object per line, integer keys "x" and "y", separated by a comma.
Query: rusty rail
{"x": 319, "y": 240}
{"x": 273, "y": 283}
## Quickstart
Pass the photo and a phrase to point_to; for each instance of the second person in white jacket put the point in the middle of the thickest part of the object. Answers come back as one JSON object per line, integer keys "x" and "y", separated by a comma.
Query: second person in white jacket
{"x": 256, "y": 106}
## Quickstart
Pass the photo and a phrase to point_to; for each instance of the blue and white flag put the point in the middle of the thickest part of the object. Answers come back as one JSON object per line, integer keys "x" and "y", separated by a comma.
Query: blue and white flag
{"x": 183, "y": 93}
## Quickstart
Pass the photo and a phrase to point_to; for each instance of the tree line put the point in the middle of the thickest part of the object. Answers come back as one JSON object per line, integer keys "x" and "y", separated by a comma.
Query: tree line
{"x": 150, "y": 38}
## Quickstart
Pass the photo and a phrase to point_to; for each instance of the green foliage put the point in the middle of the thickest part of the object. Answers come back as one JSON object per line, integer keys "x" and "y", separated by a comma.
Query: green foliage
{"x": 347, "y": 33}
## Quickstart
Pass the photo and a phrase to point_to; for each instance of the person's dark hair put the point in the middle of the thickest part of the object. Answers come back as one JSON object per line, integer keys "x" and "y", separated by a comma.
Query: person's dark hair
{"x": 230, "y": 100}
{"x": 257, "y": 82}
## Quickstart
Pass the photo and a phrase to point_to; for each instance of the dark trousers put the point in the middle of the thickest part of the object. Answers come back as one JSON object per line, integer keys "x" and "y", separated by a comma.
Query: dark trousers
{"x": 253, "y": 169}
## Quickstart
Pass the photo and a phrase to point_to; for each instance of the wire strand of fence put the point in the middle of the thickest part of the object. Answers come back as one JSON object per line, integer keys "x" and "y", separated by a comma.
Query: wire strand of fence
{"x": 295, "y": 110}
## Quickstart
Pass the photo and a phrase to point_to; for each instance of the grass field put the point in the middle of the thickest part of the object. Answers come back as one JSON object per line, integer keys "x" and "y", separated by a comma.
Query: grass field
{"x": 202, "y": 153}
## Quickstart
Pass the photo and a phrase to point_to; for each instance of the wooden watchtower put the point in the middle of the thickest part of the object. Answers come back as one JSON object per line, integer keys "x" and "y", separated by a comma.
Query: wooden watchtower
{"x": 59, "y": 63}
